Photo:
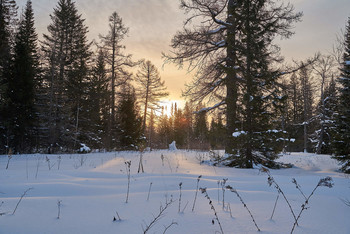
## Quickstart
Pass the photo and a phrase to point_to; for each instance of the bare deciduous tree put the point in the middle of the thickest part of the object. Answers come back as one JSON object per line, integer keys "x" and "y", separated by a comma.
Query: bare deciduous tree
{"x": 150, "y": 88}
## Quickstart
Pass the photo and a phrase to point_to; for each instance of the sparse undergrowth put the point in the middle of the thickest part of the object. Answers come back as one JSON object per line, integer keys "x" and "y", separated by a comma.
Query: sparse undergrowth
{"x": 222, "y": 218}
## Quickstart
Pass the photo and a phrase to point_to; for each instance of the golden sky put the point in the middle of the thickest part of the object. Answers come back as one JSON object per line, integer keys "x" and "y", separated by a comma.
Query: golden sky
{"x": 153, "y": 23}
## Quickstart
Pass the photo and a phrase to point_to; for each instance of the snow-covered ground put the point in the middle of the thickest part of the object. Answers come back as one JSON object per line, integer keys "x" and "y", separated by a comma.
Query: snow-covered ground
{"x": 92, "y": 188}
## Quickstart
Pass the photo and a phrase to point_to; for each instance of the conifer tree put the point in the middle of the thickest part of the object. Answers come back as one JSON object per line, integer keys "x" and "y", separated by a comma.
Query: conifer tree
{"x": 128, "y": 120}
{"x": 22, "y": 85}
{"x": 67, "y": 54}
{"x": 99, "y": 102}
{"x": 8, "y": 17}
{"x": 188, "y": 118}
{"x": 200, "y": 127}
{"x": 324, "y": 70}
{"x": 327, "y": 112}
{"x": 342, "y": 140}
{"x": 164, "y": 130}
{"x": 217, "y": 132}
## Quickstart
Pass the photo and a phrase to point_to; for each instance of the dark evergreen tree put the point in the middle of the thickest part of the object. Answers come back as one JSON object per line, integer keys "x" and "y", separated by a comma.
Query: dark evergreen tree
{"x": 295, "y": 113}
{"x": 8, "y": 16}
{"x": 200, "y": 128}
{"x": 67, "y": 55}
{"x": 129, "y": 121}
{"x": 20, "y": 107}
{"x": 164, "y": 130}
{"x": 179, "y": 128}
{"x": 188, "y": 118}
{"x": 342, "y": 140}
{"x": 217, "y": 132}
{"x": 327, "y": 112}
{"x": 324, "y": 69}
{"x": 98, "y": 105}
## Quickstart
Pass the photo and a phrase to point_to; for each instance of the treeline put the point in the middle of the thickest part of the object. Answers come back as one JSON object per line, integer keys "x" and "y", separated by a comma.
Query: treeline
{"x": 65, "y": 91}
{"x": 188, "y": 127}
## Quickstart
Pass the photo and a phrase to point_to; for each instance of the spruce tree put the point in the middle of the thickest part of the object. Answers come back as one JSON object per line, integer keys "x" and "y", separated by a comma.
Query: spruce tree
{"x": 327, "y": 109}
{"x": 128, "y": 120}
{"x": 342, "y": 140}
{"x": 98, "y": 102}
{"x": 8, "y": 17}
{"x": 164, "y": 131}
{"x": 22, "y": 85}
{"x": 67, "y": 55}
{"x": 200, "y": 128}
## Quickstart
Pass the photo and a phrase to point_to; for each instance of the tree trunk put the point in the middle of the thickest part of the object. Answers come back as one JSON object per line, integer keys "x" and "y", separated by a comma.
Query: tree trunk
{"x": 231, "y": 82}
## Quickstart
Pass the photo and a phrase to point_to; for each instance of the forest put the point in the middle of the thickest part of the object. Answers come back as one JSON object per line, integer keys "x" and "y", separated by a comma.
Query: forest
{"x": 66, "y": 94}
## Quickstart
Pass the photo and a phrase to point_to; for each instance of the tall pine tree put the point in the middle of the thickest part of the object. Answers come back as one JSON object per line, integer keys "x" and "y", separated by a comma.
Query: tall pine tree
{"x": 67, "y": 55}
{"x": 8, "y": 16}
{"x": 23, "y": 84}
{"x": 342, "y": 141}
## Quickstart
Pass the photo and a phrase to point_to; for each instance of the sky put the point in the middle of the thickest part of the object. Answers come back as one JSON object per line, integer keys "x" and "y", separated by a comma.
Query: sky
{"x": 153, "y": 23}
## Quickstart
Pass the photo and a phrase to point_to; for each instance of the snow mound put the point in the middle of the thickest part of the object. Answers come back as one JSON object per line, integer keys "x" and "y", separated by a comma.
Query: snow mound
{"x": 172, "y": 146}
{"x": 311, "y": 162}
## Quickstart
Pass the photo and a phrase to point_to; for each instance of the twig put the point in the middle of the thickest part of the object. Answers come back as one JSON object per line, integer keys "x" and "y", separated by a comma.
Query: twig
{"x": 204, "y": 191}
{"x": 218, "y": 191}
{"x": 274, "y": 208}
{"x": 159, "y": 216}
{"x": 141, "y": 163}
{"x": 37, "y": 168}
{"x": 244, "y": 204}
{"x": 149, "y": 190}
{"x": 271, "y": 181}
{"x": 169, "y": 226}
{"x": 59, "y": 202}
{"x": 59, "y": 159}
{"x": 345, "y": 201}
{"x": 294, "y": 181}
{"x": 183, "y": 210}
{"x": 119, "y": 219}
{"x": 180, "y": 186}
{"x": 223, "y": 183}
{"x": 162, "y": 157}
{"x": 195, "y": 196}
{"x": 229, "y": 207}
{"x": 325, "y": 182}
{"x": 25, "y": 192}
{"x": 128, "y": 165}
{"x": 9, "y": 157}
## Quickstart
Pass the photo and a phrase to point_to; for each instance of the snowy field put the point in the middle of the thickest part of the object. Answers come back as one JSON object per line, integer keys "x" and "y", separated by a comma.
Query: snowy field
{"x": 89, "y": 190}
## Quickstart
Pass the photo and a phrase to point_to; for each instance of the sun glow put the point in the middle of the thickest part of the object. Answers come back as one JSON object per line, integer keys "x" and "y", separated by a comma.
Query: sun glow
{"x": 169, "y": 106}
